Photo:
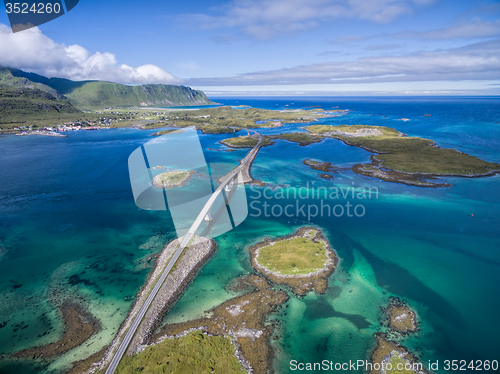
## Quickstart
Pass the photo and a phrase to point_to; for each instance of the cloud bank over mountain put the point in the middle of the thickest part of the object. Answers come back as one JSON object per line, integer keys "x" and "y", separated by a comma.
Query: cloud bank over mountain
{"x": 32, "y": 51}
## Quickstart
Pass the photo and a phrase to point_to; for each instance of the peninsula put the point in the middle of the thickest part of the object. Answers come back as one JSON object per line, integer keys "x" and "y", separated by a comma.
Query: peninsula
{"x": 406, "y": 159}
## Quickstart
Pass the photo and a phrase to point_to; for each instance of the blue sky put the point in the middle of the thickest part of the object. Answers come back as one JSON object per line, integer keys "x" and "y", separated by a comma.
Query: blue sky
{"x": 271, "y": 46}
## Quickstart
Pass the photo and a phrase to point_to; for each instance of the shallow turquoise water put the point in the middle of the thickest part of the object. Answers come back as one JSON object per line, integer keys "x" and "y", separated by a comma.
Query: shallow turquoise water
{"x": 69, "y": 227}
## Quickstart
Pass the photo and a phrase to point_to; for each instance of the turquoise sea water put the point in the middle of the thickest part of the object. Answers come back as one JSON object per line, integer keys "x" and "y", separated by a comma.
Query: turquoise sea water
{"x": 69, "y": 228}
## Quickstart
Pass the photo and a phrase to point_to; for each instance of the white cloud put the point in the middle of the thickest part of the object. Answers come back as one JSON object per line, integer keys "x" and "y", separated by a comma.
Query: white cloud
{"x": 263, "y": 19}
{"x": 479, "y": 61}
{"x": 475, "y": 28}
{"x": 31, "y": 50}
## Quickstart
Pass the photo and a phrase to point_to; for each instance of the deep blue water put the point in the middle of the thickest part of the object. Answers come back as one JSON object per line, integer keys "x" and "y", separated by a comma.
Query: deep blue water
{"x": 69, "y": 228}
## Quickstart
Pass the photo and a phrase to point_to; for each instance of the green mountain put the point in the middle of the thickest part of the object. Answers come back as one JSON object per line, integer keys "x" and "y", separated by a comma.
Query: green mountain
{"x": 104, "y": 94}
{"x": 8, "y": 77}
{"x": 23, "y": 105}
{"x": 100, "y": 94}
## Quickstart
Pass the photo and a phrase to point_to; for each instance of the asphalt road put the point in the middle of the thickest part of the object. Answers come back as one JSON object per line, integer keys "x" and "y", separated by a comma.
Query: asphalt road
{"x": 144, "y": 308}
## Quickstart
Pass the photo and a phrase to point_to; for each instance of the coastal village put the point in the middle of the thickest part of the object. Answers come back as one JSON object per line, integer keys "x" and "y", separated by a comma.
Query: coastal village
{"x": 57, "y": 130}
{"x": 101, "y": 123}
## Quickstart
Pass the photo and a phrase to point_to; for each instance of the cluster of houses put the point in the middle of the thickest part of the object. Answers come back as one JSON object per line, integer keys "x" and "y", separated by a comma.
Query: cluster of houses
{"x": 65, "y": 127}
{"x": 68, "y": 126}
{"x": 40, "y": 132}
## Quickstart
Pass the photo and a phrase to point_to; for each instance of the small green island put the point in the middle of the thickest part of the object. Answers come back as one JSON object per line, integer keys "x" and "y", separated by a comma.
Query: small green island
{"x": 247, "y": 141}
{"x": 325, "y": 167}
{"x": 170, "y": 179}
{"x": 302, "y": 261}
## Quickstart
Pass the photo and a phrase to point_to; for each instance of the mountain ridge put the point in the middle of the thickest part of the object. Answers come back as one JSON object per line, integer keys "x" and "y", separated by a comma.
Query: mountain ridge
{"x": 93, "y": 94}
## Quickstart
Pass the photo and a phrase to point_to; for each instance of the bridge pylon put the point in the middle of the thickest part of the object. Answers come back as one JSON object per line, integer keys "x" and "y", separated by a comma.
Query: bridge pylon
{"x": 208, "y": 216}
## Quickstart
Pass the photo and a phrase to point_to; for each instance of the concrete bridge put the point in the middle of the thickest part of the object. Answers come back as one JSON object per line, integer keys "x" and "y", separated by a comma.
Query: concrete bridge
{"x": 226, "y": 182}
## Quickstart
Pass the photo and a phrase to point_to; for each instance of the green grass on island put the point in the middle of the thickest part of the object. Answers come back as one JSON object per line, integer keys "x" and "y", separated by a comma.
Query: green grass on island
{"x": 241, "y": 141}
{"x": 298, "y": 137}
{"x": 245, "y": 141}
{"x": 410, "y": 154}
{"x": 193, "y": 353}
{"x": 214, "y": 129}
{"x": 298, "y": 255}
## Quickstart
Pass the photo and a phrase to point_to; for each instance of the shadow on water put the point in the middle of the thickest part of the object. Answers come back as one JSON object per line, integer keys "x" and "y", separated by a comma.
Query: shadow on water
{"x": 400, "y": 281}
{"x": 317, "y": 309}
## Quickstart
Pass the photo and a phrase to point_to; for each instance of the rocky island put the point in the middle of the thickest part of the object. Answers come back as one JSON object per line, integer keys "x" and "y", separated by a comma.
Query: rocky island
{"x": 302, "y": 261}
{"x": 389, "y": 356}
{"x": 325, "y": 167}
{"x": 172, "y": 179}
{"x": 400, "y": 317}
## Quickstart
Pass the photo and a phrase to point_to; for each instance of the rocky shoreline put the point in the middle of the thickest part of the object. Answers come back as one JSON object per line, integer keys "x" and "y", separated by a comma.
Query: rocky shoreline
{"x": 79, "y": 325}
{"x": 241, "y": 318}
